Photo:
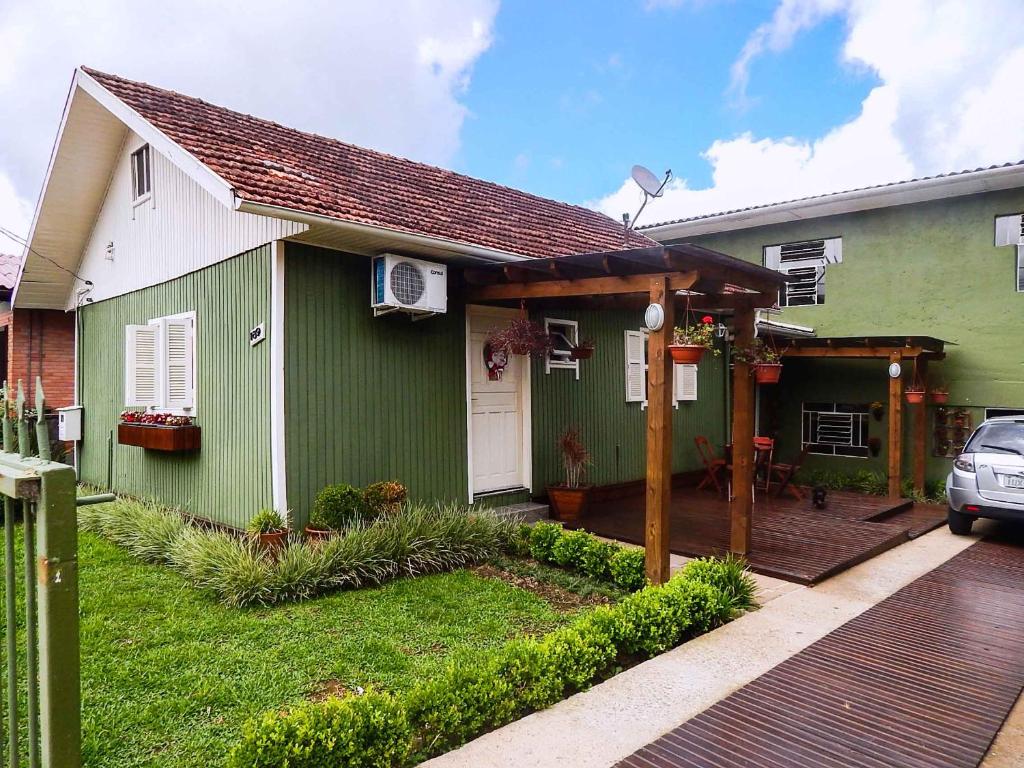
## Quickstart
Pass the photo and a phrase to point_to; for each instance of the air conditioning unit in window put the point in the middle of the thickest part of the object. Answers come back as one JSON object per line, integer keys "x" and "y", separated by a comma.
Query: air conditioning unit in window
{"x": 401, "y": 284}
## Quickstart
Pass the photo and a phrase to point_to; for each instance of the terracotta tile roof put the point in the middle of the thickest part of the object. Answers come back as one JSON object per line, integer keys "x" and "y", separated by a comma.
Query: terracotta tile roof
{"x": 9, "y": 264}
{"x": 270, "y": 164}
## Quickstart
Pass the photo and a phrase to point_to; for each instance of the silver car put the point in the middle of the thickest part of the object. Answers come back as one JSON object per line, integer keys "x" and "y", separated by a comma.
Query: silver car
{"x": 988, "y": 477}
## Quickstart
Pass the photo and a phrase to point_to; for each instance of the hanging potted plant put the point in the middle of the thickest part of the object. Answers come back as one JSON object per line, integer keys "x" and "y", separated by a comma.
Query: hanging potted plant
{"x": 522, "y": 336}
{"x": 690, "y": 341}
{"x": 268, "y": 527}
{"x": 569, "y": 499}
{"x": 940, "y": 395}
{"x": 763, "y": 360}
{"x": 915, "y": 394}
{"x": 877, "y": 410}
{"x": 582, "y": 351}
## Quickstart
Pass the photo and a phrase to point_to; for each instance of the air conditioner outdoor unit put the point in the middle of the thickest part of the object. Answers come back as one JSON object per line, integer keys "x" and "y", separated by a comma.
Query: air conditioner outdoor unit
{"x": 401, "y": 284}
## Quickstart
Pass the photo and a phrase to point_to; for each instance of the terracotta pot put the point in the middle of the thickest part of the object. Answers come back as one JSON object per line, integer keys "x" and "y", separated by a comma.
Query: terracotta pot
{"x": 568, "y": 504}
{"x": 318, "y": 534}
{"x": 686, "y": 353}
{"x": 940, "y": 398}
{"x": 767, "y": 373}
{"x": 581, "y": 353}
{"x": 274, "y": 541}
{"x": 915, "y": 396}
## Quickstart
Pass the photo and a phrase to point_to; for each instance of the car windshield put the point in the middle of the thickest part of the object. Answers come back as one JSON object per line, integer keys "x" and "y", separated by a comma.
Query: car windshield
{"x": 998, "y": 436}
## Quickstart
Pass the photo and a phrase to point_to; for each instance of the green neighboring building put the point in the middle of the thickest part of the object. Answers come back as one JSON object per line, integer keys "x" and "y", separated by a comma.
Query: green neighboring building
{"x": 938, "y": 257}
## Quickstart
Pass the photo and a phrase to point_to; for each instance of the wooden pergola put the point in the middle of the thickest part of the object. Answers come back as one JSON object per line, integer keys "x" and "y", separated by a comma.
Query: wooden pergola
{"x": 675, "y": 277}
{"x": 893, "y": 349}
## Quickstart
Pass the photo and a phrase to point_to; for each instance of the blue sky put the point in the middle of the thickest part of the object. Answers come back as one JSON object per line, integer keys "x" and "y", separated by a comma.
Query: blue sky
{"x": 566, "y": 100}
{"x": 747, "y": 102}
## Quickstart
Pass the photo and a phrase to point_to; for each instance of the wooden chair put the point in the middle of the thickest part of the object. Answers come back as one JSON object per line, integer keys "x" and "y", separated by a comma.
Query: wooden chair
{"x": 783, "y": 474}
{"x": 713, "y": 465}
{"x": 764, "y": 448}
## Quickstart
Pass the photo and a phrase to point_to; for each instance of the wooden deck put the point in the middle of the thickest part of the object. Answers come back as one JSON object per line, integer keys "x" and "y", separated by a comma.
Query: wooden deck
{"x": 924, "y": 679}
{"x": 791, "y": 539}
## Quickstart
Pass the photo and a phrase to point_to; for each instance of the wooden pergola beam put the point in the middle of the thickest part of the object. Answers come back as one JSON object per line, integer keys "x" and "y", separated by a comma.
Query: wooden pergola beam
{"x": 741, "y": 508}
{"x": 855, "y": 352}
{"x": 594, "y": 286}
{"x": 659, "y": 436}
{"x": 920, "y": 434}
{"x": 895, "y": 429}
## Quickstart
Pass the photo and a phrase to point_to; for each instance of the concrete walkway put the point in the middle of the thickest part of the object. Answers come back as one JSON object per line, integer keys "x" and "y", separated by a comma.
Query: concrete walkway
{"x": 602, "y": 726}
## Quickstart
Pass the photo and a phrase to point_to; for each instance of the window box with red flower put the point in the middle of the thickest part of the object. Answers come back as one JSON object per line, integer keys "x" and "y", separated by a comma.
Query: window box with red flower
{"x": 158, "y": 431}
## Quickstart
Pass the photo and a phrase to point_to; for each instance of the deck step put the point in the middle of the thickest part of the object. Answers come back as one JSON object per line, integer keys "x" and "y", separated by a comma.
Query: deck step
{"x": 525, "y": 512}
{"x": 918, "y": 519}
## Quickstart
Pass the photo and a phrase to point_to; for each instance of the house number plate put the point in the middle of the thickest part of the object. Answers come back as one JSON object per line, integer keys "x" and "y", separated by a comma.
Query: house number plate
{"x": 257, "y": 334}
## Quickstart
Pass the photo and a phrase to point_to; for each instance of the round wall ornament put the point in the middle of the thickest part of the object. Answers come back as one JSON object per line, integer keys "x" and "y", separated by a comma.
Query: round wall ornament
{"x": 654, "y": 317}
{"x": 895, "y": 370}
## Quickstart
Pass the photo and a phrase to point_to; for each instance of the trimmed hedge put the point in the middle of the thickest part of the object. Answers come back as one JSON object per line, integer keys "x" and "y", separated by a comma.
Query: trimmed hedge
{"x": 582, "y": 551}
{"x": 416, "y": 540}
{"x": 475, "y": 695}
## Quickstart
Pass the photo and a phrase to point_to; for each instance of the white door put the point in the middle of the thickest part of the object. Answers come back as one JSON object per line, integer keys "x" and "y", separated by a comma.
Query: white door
{"x": 497, "y": 417}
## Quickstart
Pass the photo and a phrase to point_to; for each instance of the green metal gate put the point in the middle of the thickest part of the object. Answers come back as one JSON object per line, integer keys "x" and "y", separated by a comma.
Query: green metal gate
{"x": 42, "y": 715}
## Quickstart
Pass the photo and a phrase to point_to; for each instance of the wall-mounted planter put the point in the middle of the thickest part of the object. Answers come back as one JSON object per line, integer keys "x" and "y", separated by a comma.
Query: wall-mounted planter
{"x": 159, "y": 438}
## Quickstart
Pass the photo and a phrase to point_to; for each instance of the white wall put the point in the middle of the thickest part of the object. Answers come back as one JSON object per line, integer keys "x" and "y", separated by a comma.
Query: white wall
{"x": 181, "y": 229}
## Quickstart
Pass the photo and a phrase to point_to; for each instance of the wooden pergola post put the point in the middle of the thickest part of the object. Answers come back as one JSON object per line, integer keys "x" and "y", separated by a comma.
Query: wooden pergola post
{"x": 659, "y": 436}
{"x": 895, "y": 428}
{"x": 920, "y": 441}
{"x": 742, "y": 504}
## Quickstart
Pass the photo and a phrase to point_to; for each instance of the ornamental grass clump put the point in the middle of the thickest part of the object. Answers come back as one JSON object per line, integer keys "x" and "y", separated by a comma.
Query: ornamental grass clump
{"x": 730, "y": 575}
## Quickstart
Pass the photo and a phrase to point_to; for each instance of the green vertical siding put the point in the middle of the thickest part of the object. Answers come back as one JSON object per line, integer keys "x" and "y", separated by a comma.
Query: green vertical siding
{"x": 229, "y": 478}
{"x": 924, "y": 269}
{"x": 368, "y": 398}
{"x": 614, "y": 430}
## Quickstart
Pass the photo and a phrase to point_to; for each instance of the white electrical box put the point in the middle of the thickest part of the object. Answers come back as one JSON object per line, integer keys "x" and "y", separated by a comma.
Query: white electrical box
{"x": 69, "y": 423}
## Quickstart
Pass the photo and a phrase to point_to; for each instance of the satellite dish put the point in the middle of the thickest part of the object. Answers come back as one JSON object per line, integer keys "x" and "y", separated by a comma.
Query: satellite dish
{"x": 650, "y": 184}
{"x": 647, "y": 181}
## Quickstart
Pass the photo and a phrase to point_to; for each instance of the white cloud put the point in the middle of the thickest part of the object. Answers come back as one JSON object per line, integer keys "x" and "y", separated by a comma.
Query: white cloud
{"x": 384, "y": 75}
{"x": 949, "y": 73}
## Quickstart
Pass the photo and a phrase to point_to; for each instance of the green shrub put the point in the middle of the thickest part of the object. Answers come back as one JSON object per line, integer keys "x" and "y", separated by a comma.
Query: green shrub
{"x": 543, "y": 538}
{"x": 729, "y": 574}
{"x": 568, "y": 550}
{"x": 336, "y": 507}
{"x": 519, "y": 541}
{"x": 596, "y": 558}
{"x": 385, "y": 498}
{"x": 368, "y": 731}
{"x": 628, "y": 568}
{"x": 475, "y": 695}
{"x": 266, "y": 521}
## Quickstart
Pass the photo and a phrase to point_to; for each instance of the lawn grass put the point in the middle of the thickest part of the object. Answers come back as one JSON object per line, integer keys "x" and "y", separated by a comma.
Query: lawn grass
{"x": 169, "y": 675}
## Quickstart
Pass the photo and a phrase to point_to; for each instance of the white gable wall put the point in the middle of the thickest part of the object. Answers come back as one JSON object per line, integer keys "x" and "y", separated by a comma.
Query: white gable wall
{"x": 180, "y": 229}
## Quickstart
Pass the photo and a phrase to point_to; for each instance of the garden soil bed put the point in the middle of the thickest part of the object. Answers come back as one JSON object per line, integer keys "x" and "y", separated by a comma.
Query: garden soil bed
{"x": 560, "y": 599}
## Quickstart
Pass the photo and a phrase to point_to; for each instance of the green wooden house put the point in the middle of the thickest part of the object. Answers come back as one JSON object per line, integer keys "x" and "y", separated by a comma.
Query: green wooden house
{"x": 935, "y": 258}
{"x": 242, "y": 274}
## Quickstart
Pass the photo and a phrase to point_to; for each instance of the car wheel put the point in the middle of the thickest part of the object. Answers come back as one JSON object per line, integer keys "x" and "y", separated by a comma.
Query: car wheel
{"x": 959, "y": 523}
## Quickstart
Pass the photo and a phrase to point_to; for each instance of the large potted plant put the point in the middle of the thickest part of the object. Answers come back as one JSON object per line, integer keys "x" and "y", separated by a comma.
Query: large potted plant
{"x": 268, "y": 527}
{"x": 689, "y": 341}
{"x": 569, "y": 499}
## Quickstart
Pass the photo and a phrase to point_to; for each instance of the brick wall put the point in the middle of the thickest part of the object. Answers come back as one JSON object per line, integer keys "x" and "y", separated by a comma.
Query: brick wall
{"x": 41, "y": 342}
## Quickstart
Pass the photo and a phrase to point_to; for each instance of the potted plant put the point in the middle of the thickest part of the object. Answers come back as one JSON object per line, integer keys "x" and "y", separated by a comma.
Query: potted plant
{"x": 521, "y": 337}
{"x": 690, "y": 341}
{"x": 569, "y": 499}
{"x": 384, "y": 498}
{"x": 940, "y": 395}
{"x": 269, "y": 528}
{"x": 763, "y": 360}
{"x": 335, "y": 508}
{"x": 915, "y": 394}
{"x": 582, "y": 351}
{"x": 877, "y": 410}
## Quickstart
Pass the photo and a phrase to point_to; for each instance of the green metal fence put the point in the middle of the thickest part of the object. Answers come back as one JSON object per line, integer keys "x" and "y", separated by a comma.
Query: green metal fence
{"x": 41, "y": 711}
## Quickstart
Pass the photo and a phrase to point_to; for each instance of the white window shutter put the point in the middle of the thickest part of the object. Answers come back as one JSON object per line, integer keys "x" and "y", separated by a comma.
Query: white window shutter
{"x": 179, "y": 391}
{"x": 636, "y": 391}
{"x": 142, "y": 365}
{"x": 772, "y": 256}
{"x": 1008, "y": 230}
{"x": 685, "y": 382}
{"x": 834, "y": 250}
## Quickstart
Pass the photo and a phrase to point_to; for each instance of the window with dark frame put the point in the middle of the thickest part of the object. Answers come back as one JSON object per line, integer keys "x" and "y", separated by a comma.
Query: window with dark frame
{"x": 836, "y": 429}
{"x": 141, "y": 179}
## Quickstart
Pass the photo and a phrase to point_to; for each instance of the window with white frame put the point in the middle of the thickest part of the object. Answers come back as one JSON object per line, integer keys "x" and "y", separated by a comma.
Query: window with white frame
{"x": 684, "y": 377}
{"x": 1010, "y": 231}
{"x": 142, "y": 181}
{"x": 805, "y": 262}
{"x": 159, "y": 362}
{"x": 564, "y": 334}
{"x": 836, "y": 429}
